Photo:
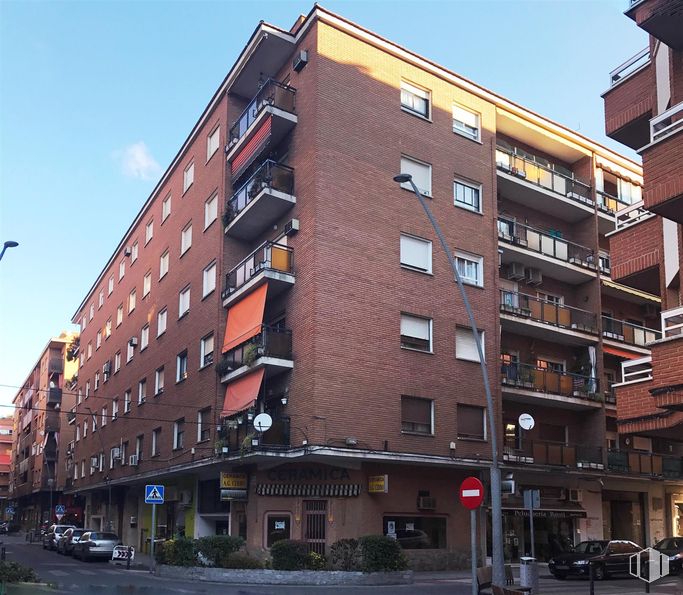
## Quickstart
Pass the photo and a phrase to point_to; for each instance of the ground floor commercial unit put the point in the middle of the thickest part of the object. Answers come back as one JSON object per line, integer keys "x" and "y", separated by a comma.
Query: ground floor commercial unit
{"x": 33, "y": 510}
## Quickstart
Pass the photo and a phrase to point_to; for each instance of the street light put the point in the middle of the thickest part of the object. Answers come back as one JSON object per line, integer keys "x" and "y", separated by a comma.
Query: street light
{"x": 496, "y": 501}
{"x": 8, "y": 244}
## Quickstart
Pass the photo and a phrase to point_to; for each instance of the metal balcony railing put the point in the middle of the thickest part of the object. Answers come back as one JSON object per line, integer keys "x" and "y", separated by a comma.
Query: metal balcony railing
{"x": 543, "y": 175}
{"x": 270, "y": 342}
{"x": 543, "y": 380}
{"x": 54, "y": 395}
{"x": 550, "y": 244}
{"x": 56, "y": 365}
{"x": 610, "y": 204}
{"x": 644, "y": 463}
{"x": 272, "y": 93}
{"x": 636, "y": 370}
{"x": 626, "y": 332}
{"x": 539, "y": 452}
{"x": 268, "y": 256}
{"x": 559, "y": 315}
{"x": 672, "y": 322}
{"x": 631, "y": 66}
{"x": 666, "y": 123}
{"x": 631, "y": 215}
{"x": 269, "y": 175}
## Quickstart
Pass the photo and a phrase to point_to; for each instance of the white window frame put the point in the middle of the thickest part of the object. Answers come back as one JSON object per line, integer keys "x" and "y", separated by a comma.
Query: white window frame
{"x": 406, "y": 320}
{"x": 471, "y": 186}
{"x": 463, "y": 335}
{"x": 127, "y": 401}
{"x": 96, "y": 381}
{"x": 85, "y": 428}
{"x": 163, "y": 264}
{"x": 132, "y": 300}
{"x": 107, "y": 329}
{"x": 78, "y": 432}
{"x": 98, "y": 340}
{"x": 209, "y": 279}
{"x": 186, "y": 238}
{"x": 420, "y": 92}
{"x": 460, "y": 125}
{"x": 203, "y": 349}
{"x": 183, "y": 301}
{"x": 156, "y": 434}
{"x": 201, "y": 422}
{"x": 119, "y": 315}
{"x": 177, "y": 434}
{"x": 104, "y": 417}
{"x": 166, "y": 208}
{"x": 146, "y": 284}
{"x": 409, "y": 163}
{"x": 188, "y": 177}
{"x": 89, "y": 350}
{"x": 149, "y": 231}
{"x": 138, "y": 447}
{"x": 162, "y": 321}
{"x": 159, "y": 380}
{"x": 474, "y": 258}
{"x": 210, "y": 210}
{"x": 100, "y": 299}
{"x": 122, "y": 269}
{"x": 144, "y": 337}
{"x": 130, "y": 352}
{"x": 142, "y": 391}
{"x": 213, "y": 141}
{"x": 114, "y": 409}
{"x": 134, "y": 251}
{"x": 117, "y": 361}
{"x": 110, "y": 285}
{"x": 405, "y": 256}
{"x": 180, "y": 358}
{"x": 92, "y": 311}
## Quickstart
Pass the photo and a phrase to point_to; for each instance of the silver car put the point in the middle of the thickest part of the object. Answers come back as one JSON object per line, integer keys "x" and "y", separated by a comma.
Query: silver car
{"x": 69, "y": 538}
{"x": 95, "y": 544}
{"x": 53, "y": 534}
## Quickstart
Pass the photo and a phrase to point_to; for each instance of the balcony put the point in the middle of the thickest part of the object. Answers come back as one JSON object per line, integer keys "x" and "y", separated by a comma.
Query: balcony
{"x": 629, "y": 100}
{"x": 54, "y": 395}
{"x": 531, "y": 316}
{"x": 258, "y": 204}
{"x": 546, "y": 252}
{"x": 620, "y": 331}
{"x": 268, "y": 118}
{"x": 52, "y": 421}
{"x": 662, "y": 19}
{"x": 555, "y": 454}
{"x": 271, "y": 348}
{"x": 540, "y": 187}
{"x": 270, "y": 263}
{"x": 527, "y": 383}
{"x": 645, "y": 463}
{"x": 667, "y": 388}
{"x": 55, "y": 366}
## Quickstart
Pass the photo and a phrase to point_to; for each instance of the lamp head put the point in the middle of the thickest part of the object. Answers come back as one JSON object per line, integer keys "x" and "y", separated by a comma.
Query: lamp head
{"x": 11, "y": 244}
{"x": 403, "y": 178}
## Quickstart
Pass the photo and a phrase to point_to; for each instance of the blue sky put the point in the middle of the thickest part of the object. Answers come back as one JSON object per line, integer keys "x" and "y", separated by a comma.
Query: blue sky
{"x": 97, "y": 97}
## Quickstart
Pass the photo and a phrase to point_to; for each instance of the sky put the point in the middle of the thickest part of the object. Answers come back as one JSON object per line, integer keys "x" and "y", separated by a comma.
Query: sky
{"x": 96, "y": 98}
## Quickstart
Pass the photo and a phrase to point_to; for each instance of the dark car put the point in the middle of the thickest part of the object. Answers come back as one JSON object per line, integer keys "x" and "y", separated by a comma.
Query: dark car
{"x": 607, "y": 558}
{"x": 672, "y": 547}
{"x": 96, "y": 544}
{"x": 53, "y": 534}
{"x": 70, "y": 537}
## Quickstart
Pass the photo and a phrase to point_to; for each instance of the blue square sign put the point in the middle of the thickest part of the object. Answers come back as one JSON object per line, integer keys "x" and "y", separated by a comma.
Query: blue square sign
{"x": 154, "y": 494}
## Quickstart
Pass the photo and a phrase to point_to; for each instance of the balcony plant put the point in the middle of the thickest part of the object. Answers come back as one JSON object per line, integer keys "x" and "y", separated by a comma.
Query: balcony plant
{"x": 223, "y": 366}
{"x": 251, "y": 354}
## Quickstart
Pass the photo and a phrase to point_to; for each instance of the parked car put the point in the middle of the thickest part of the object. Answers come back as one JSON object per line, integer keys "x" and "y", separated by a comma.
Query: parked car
{"x": 607, "y": 558}
{"x": 672, "y": 547}
{"x": 96, "y": 544}
{"x": 53, "y": 534}
{"x": 66, "y": 542}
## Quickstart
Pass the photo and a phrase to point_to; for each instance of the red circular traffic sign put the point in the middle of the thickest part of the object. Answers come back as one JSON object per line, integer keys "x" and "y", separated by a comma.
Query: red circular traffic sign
{"x": 471, "y": 493}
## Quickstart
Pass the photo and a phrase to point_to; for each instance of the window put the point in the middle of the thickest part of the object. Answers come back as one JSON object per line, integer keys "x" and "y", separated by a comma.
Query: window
{"x": 165, "y": 208}
{"x": 416, "y": 333}
{"x": 466, "y": 346}
{"x": 122, "y": 269}
{"x": 178, "y": 433}
{"x": 83, "y": 468}
{"x": 181, "y": 366}
{"x": 84, "y": 323}
{"x": 97, "y": 381}
{"x": 85, "y": 428}
{"x": 421, "y": 172}
{"x": 149, "y": 231}
{"x": 163, "y": 265}
{"x": 131, "y": 301}
{"x": 89, "y": 352}
{"x": 87, "y": 389}
{"x": 139, "y": 444}
{"x": 278, "y": 527}
{"x": 466, "y": 122}
{"x": 188, "y": 177}
{"x": 467, "y": 195}
{"x": 186, "y": 239}
{"x": 156, "y": 435}
{"x": 471, "y": 422}
{"x": 184, "y": 302}
{"x": 203, "y": 425}
{"x": 110, "y": 285}
{"x": 107, "y": 329}
{"x": 119, "y": 315}
{"x": 416, "y": 253}
{"x": 417, "y": 415}
{"x": 470, "y": 268}
{"x": 415, "y": 100}
{"x": 100, "y": 299}
{"x": 94, "y": 423}
{"x": 78, "y": 432}
{"x": 126, "y": 401}
{"x": 209, "y": 279}
{"x": 135, "y": 249}
{"x": 212, "y": 143}
{"x": 104, "y": 416}
{"x": 206, "y": 351}
{"x": 124, "y": 453}
{"x": 161, "y": 322}
{"x": 144, "y": 337}
{"x": 92, "y": 311}
{"x": 142, "y": 391}
{"x": 210, "y": 210}
{"x": 117, "y": 361}
{"x": 146, "y": 284}
{"x": 159, "y": 381}
{"x": 98, "y": 340}
{"x": 417, "y": 532}
{"x": 130, "y": 351}
{"x": 114, "y": 409}
{"x": 79, "y": 399}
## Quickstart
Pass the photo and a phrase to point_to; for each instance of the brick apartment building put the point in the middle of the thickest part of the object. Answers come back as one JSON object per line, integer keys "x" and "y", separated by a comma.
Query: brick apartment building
{"x": 38, "y": 474}
{"x": 277, "y": 268}
{"x": 644, "y": 110}
{"x": 6, "y": 432}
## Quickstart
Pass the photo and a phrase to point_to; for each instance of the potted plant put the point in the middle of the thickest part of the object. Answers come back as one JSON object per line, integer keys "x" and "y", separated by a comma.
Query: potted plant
{"x": 251, "y": 354}
{"x": 223, "y": 367}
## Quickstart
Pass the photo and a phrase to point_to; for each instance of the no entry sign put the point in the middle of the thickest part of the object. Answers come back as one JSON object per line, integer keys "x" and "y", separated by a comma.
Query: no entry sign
{"x": 471, "y": 493}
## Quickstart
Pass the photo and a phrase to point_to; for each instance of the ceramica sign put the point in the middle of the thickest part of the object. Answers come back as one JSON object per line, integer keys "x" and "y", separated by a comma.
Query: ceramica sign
{"x": 233, "y": 481}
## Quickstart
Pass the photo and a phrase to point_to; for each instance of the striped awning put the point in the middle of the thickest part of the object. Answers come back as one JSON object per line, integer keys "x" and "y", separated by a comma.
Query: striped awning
{"x": 300, "y": 489}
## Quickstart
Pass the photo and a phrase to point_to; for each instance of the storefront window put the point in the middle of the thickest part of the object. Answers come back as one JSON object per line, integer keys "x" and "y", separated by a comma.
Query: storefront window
{"x": 278, "y": 527}
{"x": 210, "y": 498}
{"x": 417, "y": 532}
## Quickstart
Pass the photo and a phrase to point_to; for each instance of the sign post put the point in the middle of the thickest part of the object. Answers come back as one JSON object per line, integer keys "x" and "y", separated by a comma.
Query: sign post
{"x": 154, "y": 494}
{"x": 532, "y": 499}
{"x": 471, "y": 497}
{"x": 60, "y": 511}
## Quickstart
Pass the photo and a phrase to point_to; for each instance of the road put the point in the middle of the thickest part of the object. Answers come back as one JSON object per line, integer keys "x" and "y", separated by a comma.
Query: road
{"x": 73, "y": 576}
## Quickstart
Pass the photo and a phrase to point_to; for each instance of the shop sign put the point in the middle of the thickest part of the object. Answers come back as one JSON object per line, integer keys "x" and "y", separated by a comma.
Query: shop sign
{"x": 552, "y": 514}
{"x": 233, "y": 495}
{"x": 378, "y": 484}
{"x": 233, "y": 481}
{"x": 309, "y": 474}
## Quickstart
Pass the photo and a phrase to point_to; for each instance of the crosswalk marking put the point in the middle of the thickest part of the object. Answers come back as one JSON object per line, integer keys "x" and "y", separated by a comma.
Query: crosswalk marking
{"x": 58, "y": 573}
{"x": 85, "y": 572}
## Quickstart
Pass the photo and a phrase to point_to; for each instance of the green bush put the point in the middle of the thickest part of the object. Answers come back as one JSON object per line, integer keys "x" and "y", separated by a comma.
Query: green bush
{"x": 316, "y": 561}
{"x": 218, "y": 548}
{"x": 12, "y": 572}
{"x": 289, "y": 554}
{"x": 176, "y": 552}
{"x": 242, "y": 561}
{"x": 380, "y": 553}
{"x": 345, "y": 555}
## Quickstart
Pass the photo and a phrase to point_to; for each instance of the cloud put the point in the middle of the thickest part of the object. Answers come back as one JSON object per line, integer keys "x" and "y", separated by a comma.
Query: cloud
{"x": 137, "y": 162}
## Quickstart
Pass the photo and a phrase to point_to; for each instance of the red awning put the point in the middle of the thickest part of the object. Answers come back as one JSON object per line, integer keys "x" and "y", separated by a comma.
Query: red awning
{"x": 245, "y": 318}
{"x": 252, "y": 147}
{"x": 242, "y": 393}
{"x": 621, "y": 352}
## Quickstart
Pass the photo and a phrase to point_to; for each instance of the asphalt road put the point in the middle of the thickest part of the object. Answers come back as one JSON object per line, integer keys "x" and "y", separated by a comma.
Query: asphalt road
{"x": 99, "y": 578}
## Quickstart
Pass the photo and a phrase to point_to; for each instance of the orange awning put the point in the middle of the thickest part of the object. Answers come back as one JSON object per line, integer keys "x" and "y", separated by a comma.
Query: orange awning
{"x": 621, "y": 352}
{"x": 242, "y": 393}
{"x": 245, "y": 318}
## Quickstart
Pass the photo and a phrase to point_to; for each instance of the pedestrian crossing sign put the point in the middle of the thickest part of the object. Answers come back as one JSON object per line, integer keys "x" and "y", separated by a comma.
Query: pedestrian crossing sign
{"x": 154, "y": 494}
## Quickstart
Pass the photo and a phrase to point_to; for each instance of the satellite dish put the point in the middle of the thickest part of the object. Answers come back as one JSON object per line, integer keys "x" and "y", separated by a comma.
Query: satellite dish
{"x": 262, "y": 422}
{"x": 526, "y": 421}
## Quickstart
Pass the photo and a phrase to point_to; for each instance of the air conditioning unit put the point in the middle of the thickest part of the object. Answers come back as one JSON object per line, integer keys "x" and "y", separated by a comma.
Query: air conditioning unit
{"x": 426, "y": 503}
{"x": 534, "y": 276}
{"x": 127, "y": 252}
{"x": 650, "y": 310}
{"x": 133, "y": 460}
{"x": 291, "y": 227}
{"x": 133, "y": 341}
{"x": 515, "y": 271}
{"x": 575, "y": 495}
{"x": 300, "y": 60}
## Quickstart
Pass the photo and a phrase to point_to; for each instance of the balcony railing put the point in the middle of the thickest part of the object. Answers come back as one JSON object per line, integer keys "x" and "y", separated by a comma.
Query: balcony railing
{"x": 272, "y": 93}
{"x": 54, "y": 395}
{"x": 270, "y": 342}
{"x": 666, "y": 123}
{"x": 533, "y": 378}
{"x": 559, "y": 315}
{"x": 269, "y": 175}
{"x": 546, "y": 243}
{"x": 631, "y": 66}
{"x": 544, "y": 176}
{"x": 644, "y": 463}
{"x": 610, "y": 204}
{"x": 636, "y": 370}
{"x": 626, "y": 332}
{"x": 540, "y": 452}
{"x": 631, "y": 215}
{"x": 672, "y": 322}
{"x": 268, "y": 256}
{"x": 56, "y": 365}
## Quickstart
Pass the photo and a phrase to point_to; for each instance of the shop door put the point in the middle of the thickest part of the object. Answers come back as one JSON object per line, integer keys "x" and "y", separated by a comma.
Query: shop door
{"x": 315, "y": 513}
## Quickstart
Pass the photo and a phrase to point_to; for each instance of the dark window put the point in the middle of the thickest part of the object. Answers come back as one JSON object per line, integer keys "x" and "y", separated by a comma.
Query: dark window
{"x": 416, "y": 415}
{"x": 471, "y": 422}
{"x": 210, "y": 498}
{"x": 417, "y": 532}
{"x": 552, "y": 433}
{"x": 278, "y": 527}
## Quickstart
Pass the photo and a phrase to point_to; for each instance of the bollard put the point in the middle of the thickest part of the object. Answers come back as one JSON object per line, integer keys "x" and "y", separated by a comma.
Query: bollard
{"x": 3, "y": 553}
{"x": 591, "y": 590}
{"x": 130, "y": 553}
